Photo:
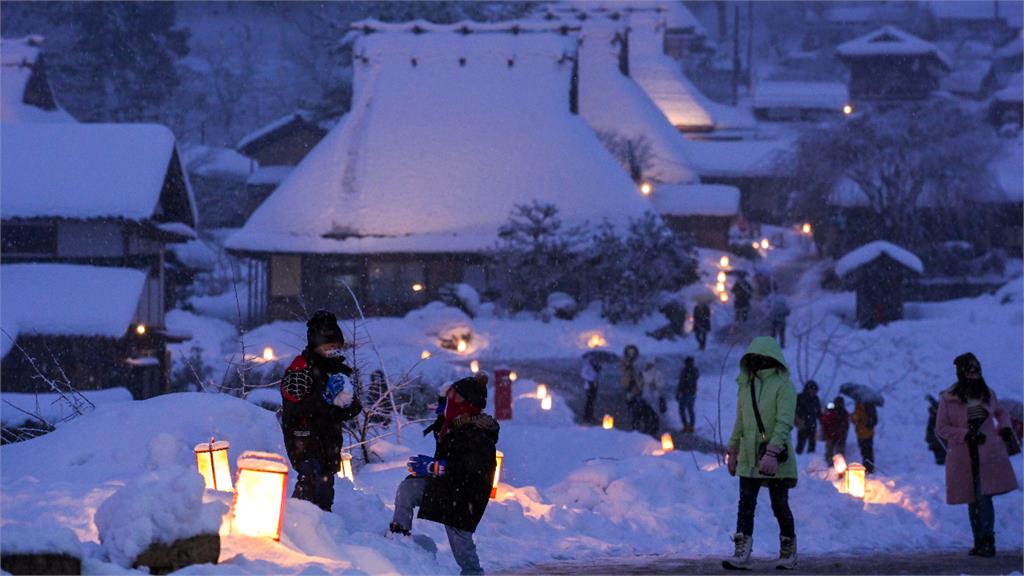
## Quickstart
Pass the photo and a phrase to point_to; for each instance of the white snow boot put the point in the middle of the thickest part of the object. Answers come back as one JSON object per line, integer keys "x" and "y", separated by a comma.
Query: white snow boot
{"x": 787, "y": 553}
{"x": 740, "y": 559}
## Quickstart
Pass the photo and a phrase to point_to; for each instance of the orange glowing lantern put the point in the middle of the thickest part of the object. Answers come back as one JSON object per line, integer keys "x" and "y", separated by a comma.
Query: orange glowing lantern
{"x": 545, "y": 403}
{"x": 542, "y": 391}
{"x": 259, "y": 495}
{"x": 724, "y": 262}
{"x": 425, "y": 354}
{"x": 666, "y": 442}
{"x": 500, "y": 457}
{"x": 721, "y": 278}
{"x": 461, "y": 345}
{"x": 720, "y": 287}
{"x": 806, "y": 229}
{"x": 596, "y": 341}
{"x": 723, "y": 297}
{"x": 765, "y": 244}
{"x": 212, "y": 459}
{"x": 345, "y": 472}
{"x": 847, "y": 110}
{"x": 608, "y": 422}
{"x": 646, "y": 188}
{"x": 474, "y": 366}
{"x": 512, "y": 376}
{"x": 856, "y": 479}
{"x": 268, "y": 354}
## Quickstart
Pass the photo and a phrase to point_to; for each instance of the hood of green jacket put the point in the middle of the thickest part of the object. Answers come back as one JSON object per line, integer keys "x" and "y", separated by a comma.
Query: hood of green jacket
{"x": 764, "y": 346}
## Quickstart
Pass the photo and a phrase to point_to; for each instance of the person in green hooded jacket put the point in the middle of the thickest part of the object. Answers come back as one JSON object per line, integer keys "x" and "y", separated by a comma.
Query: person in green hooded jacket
{"x": 763, "y": 458}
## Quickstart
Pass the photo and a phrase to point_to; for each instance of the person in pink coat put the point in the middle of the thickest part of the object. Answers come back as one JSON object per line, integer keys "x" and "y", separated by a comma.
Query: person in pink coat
{"x": 977, "y": 464}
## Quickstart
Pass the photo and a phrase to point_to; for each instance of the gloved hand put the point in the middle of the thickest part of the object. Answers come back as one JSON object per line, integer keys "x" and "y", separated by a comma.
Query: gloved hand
{"x": 730, "y": 461}
{"x": 422, "y": 466}
{"x": 974, "y": 435}
{"x": 769, "y": 464}
{"x": 335, "y": 385}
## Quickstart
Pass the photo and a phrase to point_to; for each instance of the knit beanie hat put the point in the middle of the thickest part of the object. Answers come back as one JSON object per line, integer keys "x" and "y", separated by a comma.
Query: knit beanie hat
{"x": 322, "y": 329}
{"x": 473, "y": 389}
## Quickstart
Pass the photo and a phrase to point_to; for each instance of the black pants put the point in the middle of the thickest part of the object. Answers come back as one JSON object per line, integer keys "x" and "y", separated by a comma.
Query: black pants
{"x": 867, "y": 453}
{"x": 686, "y": 414}
{"x": 702, "y": 337}
{"x": 315, "y": 484}
{"x": 588, "y": 408}
{"x": 779, "y": 332}
{"x": 778, "y": 489}
{"x": 741, "y": 312}
{"x": 807, "y": 435}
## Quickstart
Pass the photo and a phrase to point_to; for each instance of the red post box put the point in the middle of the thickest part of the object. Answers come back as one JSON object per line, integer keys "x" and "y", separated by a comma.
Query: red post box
{"x": 502, "y": 394}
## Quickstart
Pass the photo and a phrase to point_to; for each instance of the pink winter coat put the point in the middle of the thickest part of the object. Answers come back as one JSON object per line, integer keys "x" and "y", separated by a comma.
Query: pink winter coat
{"x": 997, "y": 476}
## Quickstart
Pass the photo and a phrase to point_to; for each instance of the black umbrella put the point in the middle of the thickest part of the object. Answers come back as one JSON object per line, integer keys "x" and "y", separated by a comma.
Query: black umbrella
{"x": 601, "y": 356}
{"x": 863, "y": 394}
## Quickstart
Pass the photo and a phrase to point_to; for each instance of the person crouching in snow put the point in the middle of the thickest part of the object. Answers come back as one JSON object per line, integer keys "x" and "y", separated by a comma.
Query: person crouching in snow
{"x": 977, "y": 464}
{"x": 759, "y": 448}
{"x": 454, "y": 486}
{"x": 317, "y": 397}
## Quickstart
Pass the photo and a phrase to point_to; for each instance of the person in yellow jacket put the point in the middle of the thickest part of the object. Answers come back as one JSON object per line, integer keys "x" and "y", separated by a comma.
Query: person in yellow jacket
{"x": 865, "y": 418}
{"x": 760, "y": 452}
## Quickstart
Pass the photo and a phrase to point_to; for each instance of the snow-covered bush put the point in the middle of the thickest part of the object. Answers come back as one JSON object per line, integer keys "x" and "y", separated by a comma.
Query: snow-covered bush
{"x": 562, "y": 306}
{"x": 462, "y": 296}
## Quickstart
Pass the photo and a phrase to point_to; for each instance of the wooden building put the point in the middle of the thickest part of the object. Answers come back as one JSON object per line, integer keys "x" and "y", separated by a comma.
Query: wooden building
{"x": 877, "y": 272}
{"x": 891, "y": 65}
{"x": 704, "y": 211}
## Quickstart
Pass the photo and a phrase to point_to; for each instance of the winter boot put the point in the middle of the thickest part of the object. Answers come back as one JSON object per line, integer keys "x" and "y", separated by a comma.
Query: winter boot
{"x": 396, "y": 529}
{"x": 787, "y": 553}
{"x": 740, "y": 559}
{"x": 987, "y": 547}
{"x": 974, "y": 549}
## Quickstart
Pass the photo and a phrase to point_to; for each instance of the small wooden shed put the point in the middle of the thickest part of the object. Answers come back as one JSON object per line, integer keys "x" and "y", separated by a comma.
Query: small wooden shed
{"x": 877, "y": 271}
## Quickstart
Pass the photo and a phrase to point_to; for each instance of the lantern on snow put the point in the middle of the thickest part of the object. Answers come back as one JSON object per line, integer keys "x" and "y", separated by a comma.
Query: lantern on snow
{"x": 212, "y": 460}
{"x": 512, "y": 376}
{"x": 839, "y": 464}
{"x": 542, "y": 391}
{"x": 723, "y": 297}
{"x": 545, "y": 404}
{"x": 499, "y": 456}
{"x": 474, "y": 366}
{"x": 259, "y": 495}
{"x": 425, "y": 354}
{"x": 856, "y": 480}
{"x": 723, "y": 261}
{"x": 345, "y": 471}
{"x": 608, "y": 422}
{"x": 461, "y": 345}
{"x": 666, "y": 442}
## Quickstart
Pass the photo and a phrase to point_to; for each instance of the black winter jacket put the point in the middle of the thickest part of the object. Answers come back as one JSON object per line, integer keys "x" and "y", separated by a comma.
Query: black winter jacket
{"x": 687, "y": 382}
{"x": 312, "y": 426}
{"x": 808, "y": 409}
{"x": 459, "y": 496}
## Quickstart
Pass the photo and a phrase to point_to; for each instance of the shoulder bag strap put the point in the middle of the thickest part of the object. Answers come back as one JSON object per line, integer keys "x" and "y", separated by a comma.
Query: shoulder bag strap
{"x": 757, "y": 413}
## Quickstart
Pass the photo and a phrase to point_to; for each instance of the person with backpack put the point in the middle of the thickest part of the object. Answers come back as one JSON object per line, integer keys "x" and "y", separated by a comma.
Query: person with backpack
{"x": 808, "y": 410}
{"x": 759, "y": 449}
{"x": 686, "y": 394}
{"x": 317, "y": 397}
{"x": 742, "y": 291}
{"x": 865, "y": 418}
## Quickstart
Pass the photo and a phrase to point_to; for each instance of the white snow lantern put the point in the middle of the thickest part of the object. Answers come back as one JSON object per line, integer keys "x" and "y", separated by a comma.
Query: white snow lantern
{"x": 417, "y": 287}
{"x": 140, "y": 329}
{"x": 848, "y": 109}
{"x": 542, "y": 391}
{"x": 646, "y": 188}
{"x": 596, "y": 340}
{"x": 724, "y": 262}
{"x": 512, "y": 376}
{"x": 666, "y": 442}
{"x": 260, "y": 486}
{"x": 474, "y": 366}
{"x": 545, "y": 403}
{"x": 499, "y": 457}
{"x": 608, "y": 422}
{"x": 721, "y": 277}
{"x": 765, "y": 244}
{"x": 806, "y": 229}
{"x": 723, "y": 297}
{"x": 268, "y": 354}
{"x": 425, "y": 355}
{"x": 720, "y": 287}
{"x": 461, "y": 346}
{"x": 212, "y": 460}
{"x": 839, "y": 464}
{"x": 345, "y": 472}
{"x": 856, "y": 479}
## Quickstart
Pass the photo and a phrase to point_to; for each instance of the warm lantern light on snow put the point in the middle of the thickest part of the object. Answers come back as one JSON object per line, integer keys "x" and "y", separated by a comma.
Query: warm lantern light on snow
{"x": 724, "y": 262}
{"x": 545, "y": 404}
{"x": 425, "y": 354}
{"x": 839, "y": 463}
{"x": 856, "y": 480}
{"x": 806, "y": 229}
{"x": 646, "y": 188}
{"x": 721, "y": 277}
{"x": 417, "y": 287}
{"x": 461, "y": 345}
{"x": 666, "y": 442}
{"x": 720, "y": 287}
{"x": 345, "y": 472}
{"x": 847, "y": 109}
{"x": 212, "y": 460}
{"x": 596, "y": 341}
{"x": 608, "y": 422}
{"x": 268, "y": 354}
{"x": 512, "y": 376}
{"x": 140, "y": 329}
{"x": 542, "y": 391}
{"x": 474, "y": 366}
{"x": 500, "y": 457}
{"x": 765, "y": 244}
{"x": 259, "y": 495}
{"x": 723, "y": 297}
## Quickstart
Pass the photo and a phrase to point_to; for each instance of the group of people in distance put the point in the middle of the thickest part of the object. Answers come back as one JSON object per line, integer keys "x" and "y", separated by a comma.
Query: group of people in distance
{"x": 453, "y": 485}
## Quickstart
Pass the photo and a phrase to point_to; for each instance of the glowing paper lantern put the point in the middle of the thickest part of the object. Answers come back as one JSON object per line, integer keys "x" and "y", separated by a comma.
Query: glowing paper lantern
{"x": 212, "y": 460}
{"x": 425, "y": 354}
{"x": 666, "y": 442}
{"x": 724, "y": 262}
{"x": 806, "y": 229}
{"x": 596, "y": 341}
{"x": 847, "y": 109}
{"x": 417, "y": 287}
{"x": 608, "y": 422}
{"x": 856, "y": 480}
{"x": 545, "y": 404}
{"x": 720, "y": 287}
{"x": 512, "y": 376}
{"x": 345, "y": 472}
{"x": 140, "y": 329}
{"x": 721, "y": 278}
{"x": 461, "y": 345}
{"x": 500, "y": 457}
{"x": 474, "y": 366}
{"x": 268, "y": 354}
{"x": 724, "y": 297}
{"x": 839, "y": 464}
{"x": 259, "y": 495}
{"x": 542, "y": 391}
{"x": 765, "y": 244}
{"x": 646, "y": 188}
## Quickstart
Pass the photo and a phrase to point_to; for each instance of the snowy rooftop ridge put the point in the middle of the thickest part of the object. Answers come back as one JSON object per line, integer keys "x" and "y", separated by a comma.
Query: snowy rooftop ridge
{"x": 372, "y": 25}
{"x": 826, "y": 95}
{"x": 272, "y": 126}
{"x": 18, "y": 57}
{"x": 891, "y": 41}
{"x": 20, "y": 51}
{"x": 872, "y": 251}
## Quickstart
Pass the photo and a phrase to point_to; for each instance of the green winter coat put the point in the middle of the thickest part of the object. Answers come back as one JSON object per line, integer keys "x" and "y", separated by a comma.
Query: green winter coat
{"x": 776, "y": 400}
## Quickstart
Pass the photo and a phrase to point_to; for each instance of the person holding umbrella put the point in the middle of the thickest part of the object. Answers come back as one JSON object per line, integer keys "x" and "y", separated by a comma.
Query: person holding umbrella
{"x": 977, "y": 464}
{"x": 865, "y": 418}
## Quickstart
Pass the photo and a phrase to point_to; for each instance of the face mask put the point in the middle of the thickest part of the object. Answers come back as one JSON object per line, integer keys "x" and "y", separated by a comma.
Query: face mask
{"x": 332, "y": 353}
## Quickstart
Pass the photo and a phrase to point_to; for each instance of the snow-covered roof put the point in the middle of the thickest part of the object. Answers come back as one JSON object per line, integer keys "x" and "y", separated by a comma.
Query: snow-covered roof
{"x": 67, "y": 300}
{"x": 85, "y": 171}
{"x": 873, "y": 250}
{"x": 18, "y": 57}
{"x": 664, "y": 81}
{"x": 264, "y": 131}
{"x": 613, "y": 103}
{"x": 448, "y": 132}
{"x": 675, "y": 14}
{"x": 813, "y": 95}
{"x": 967, "y": 78}
{"x": 891, "y": 41}
{"x": 1010, "y": 11}
{"x": 696, "y": 200}
{"x": 216, "y": 162}
{"x": 738, "y": 158}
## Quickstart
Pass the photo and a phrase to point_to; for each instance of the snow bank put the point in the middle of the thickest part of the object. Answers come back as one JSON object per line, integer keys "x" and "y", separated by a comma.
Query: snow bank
{"x": 872, "y": 250}
{"x": 39, "y": 538}
{"x": 50, "y": 406}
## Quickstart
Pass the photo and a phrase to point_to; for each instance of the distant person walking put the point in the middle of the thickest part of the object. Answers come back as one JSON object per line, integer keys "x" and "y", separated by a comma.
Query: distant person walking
{"x": 590, "y": 372}
{"x": 808, "y": 410}
{"x": 835, "y": 426}
{"x": 865, "y": 418}
{"x": 701, "y": 323}
{"x": 633, "y": 384}
{"x": 741, "y": 293}
{"x": 779, "y": 313}
{"x": 686, "y": 393}
{"x": 977, "y": 464}
{"x": 759, "y": 448}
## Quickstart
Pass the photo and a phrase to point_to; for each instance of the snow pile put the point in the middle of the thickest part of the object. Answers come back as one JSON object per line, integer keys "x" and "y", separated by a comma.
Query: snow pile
{"x": 891, "y": 41}
{"x": 474, "y": 124}
{"x": 39, "y": 538}
{"x": 872, "y": 250}
{"x": 163, "y": 505}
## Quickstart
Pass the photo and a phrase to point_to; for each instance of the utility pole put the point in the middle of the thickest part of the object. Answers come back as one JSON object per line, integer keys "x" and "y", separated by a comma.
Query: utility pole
{"x": 750, "y": 44}
{"x": 735, "y": 55}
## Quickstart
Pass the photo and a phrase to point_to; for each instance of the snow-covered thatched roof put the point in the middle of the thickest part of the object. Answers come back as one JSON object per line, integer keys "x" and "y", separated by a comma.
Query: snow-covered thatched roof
{"x": 803, "y": 95}
{"x": 874, "y": 250}
{"x": 675, "y": 15}
{"x": 664, "y": 81}
{"x": 67, "y": 300}
{"x": 615, "y": 105}
{"x": 448, "y": 132}
{"x": 891, "y": 41}
{"x": 21, "y": 76}
{"x": 739, "y": 158}
{"x": 696, "y": 200}
{"x": 84, "y": 171}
